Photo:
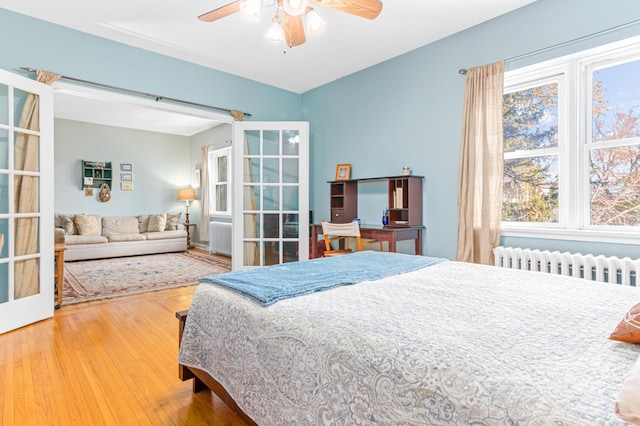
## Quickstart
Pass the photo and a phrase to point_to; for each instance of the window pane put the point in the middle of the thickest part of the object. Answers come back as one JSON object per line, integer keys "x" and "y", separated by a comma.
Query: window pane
{"x": 252, "y": 172}
{"x": 615, "y": 185}
{"x": 530, "y": 118}
{"x": 616, "y": 102}
{"x": 252, "y": 145}
{"x": 271, "y": 142}
{"x": 271, "y": 170}
{"x": 290, "y": 142}
{"x": 4, "y": 149}
{"x": 27, "y": 152}
{"x": 251, "y": 198}
{"x": 531, "y": 189}
{"x": 290, "y": 169}
{"x": 271, "y": 200}
{"x": 222, "y": 168}
{"x": 271, "y": 225}
{"x": 19, "y": 102}
{"x": 221, "y": 198}
{"x": 4, "y": 104}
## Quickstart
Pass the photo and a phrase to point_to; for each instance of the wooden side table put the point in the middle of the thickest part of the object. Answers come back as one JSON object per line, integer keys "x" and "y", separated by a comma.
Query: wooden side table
{"x": 58, "y": 271}
{"x": 188, "y": 226}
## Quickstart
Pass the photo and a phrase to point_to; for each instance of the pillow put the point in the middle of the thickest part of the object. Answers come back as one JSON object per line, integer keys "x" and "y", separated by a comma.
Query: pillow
{"x": 628, "y": 330}
{"x": 66, "y": 223}
{"x": 157, "y": 222}
{"x": 143, "y": 222}
{"x": 172, "y": 221}
{"x": 87, "y": 225}
{"x": 628, "y": 402}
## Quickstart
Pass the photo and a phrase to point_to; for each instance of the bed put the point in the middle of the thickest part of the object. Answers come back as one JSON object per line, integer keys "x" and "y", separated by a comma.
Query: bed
{"x": 446, "y": 344}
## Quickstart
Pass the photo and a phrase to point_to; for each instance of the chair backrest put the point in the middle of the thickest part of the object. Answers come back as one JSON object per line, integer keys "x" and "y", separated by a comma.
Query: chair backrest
{"x": 343, "y": 230}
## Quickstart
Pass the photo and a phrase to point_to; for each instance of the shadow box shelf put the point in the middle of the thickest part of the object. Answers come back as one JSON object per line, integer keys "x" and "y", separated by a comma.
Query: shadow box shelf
{"x": 95, "y": 173}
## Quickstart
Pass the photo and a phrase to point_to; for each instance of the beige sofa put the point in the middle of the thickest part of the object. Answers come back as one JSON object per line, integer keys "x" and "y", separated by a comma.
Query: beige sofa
{"x": 95, "y": 237}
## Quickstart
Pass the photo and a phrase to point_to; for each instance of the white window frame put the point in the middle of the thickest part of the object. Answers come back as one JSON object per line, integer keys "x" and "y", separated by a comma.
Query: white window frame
{"x": 574, "y": 76}
{"x": 213, "y": 181}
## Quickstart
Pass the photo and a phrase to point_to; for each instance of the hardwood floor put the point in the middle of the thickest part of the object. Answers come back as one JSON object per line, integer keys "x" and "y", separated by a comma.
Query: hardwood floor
{"x": 108, "y": 362}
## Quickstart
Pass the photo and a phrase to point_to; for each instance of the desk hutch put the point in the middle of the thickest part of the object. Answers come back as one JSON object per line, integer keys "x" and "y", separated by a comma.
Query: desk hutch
{"x": 404, "y": 198}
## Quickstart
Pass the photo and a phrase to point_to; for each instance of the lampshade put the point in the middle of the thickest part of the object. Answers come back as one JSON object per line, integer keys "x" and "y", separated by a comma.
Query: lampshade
{"x": 251, "y": 8}
{"x": 186, "y": 194}
{"x": 275, "y": 31}
{"x": 314, "y": 22}
{"x": 294, "y": 7}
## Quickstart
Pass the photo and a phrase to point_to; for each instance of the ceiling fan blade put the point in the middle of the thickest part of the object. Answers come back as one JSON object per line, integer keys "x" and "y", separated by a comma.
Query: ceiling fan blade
{"x": 221, "y": 12}
{"x": 369, "y": 9}
{"x": 293, "y": 30}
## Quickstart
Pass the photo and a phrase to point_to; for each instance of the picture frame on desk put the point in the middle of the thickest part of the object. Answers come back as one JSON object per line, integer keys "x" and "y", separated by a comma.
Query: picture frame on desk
{"x": 343, "y": 172}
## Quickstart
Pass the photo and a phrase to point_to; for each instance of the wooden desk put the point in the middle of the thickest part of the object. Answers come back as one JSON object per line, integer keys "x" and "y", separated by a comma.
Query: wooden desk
{"x": 380, "y": 233}
{"x": 58, "y": 271}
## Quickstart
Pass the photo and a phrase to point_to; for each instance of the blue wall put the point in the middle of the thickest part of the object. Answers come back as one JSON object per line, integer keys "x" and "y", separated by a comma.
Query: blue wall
{"x": 408, "y": 111}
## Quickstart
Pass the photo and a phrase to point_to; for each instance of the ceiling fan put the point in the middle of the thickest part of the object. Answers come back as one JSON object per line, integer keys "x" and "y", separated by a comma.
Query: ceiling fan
{"x": 288, "y": 24}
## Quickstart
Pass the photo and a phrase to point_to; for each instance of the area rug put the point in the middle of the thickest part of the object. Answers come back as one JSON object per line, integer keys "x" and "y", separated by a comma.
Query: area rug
{"x": 105, "y": 278}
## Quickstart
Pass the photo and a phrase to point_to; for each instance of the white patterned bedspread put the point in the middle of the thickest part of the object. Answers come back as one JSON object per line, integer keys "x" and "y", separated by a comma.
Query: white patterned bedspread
{"x": 449, "y": 344}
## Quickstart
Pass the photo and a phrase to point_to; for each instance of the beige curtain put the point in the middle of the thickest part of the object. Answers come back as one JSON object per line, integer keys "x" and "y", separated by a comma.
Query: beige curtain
{"x": 26, "y": 198}
{"x": 204, "y": 188}
{"x": 481, "y": 165}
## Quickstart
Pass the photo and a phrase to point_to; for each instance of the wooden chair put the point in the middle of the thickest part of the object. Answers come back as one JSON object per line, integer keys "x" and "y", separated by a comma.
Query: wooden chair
{"x": 343, "y": 231}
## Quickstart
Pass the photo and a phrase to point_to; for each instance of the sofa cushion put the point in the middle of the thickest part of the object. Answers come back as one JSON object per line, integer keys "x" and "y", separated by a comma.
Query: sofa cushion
{"x": 66, "y": 223}
{"x": 172, "y": 221}
{"x": 166, "y": 235}
{"x": 157, "y": 222}
{"x": 114, "y": 225}
{"x": 134, "y": 236}
{"x": 88, "y": 224}
{"x": 143, "y": 222}
{"x": 85, "y": 239}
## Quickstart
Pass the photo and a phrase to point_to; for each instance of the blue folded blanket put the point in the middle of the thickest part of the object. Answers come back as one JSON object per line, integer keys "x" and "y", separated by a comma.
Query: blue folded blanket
{"x": 268, "y": 285}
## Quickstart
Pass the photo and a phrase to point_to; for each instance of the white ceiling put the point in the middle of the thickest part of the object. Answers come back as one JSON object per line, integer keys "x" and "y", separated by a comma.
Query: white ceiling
{"x": 237, "y": 45}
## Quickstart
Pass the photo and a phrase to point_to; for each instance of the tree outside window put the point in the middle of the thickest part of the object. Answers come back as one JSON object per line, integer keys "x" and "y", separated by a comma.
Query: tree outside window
{"x": 572, "y": 143}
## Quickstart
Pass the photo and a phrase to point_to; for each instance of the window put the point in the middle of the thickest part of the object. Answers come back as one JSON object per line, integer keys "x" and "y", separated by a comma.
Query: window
{"x": 220, "y": 182}
{"x": 572, "y": 147}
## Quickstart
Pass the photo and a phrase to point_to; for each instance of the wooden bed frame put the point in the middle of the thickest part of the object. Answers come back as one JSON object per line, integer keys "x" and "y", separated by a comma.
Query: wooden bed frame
{"x": 203, "y": 381}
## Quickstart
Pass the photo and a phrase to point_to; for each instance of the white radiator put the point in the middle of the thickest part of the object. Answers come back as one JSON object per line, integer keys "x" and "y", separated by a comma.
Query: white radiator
{"x": 220, "y": 238}
{"x": 596, "y": 268}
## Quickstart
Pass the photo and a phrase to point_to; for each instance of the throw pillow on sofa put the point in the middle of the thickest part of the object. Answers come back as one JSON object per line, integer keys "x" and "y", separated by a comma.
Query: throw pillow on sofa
{"x": 88, "y": 225}
{"x": 66, "y": 223}
{"x": 172, "y": 221}
{"x": 157, "y": 222}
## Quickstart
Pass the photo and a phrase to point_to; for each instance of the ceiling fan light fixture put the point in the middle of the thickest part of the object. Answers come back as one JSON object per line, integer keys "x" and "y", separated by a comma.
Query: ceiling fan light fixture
{"x": 275, "y": 32}
{"x": 295, "y": 7}
{"x": 314, "y": 22}
{"x": 251, "y": 8}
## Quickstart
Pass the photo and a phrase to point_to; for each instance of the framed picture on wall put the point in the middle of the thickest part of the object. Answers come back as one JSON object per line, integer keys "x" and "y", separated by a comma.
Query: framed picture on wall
{"x": 196, "y": 178}
{"x": 126, "y": 177}
{"x": 126, "y": 167}
{"x": 126, "y": 186}
{"x": 343, "y": 172}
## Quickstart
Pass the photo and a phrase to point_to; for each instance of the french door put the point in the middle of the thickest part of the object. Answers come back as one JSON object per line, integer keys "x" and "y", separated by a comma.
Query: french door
{"x": 26, "y": 201}
{"x": 271, "y": 193}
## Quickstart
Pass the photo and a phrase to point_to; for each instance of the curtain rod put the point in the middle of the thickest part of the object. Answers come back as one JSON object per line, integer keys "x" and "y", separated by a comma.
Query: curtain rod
{"x": 135, "y": 92}
{"x": 564, "y": 43}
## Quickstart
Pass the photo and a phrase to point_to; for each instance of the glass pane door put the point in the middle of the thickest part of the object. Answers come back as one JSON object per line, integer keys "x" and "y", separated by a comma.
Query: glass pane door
{"x": 271, "y": 193}
{"x": 26, "y": 201}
